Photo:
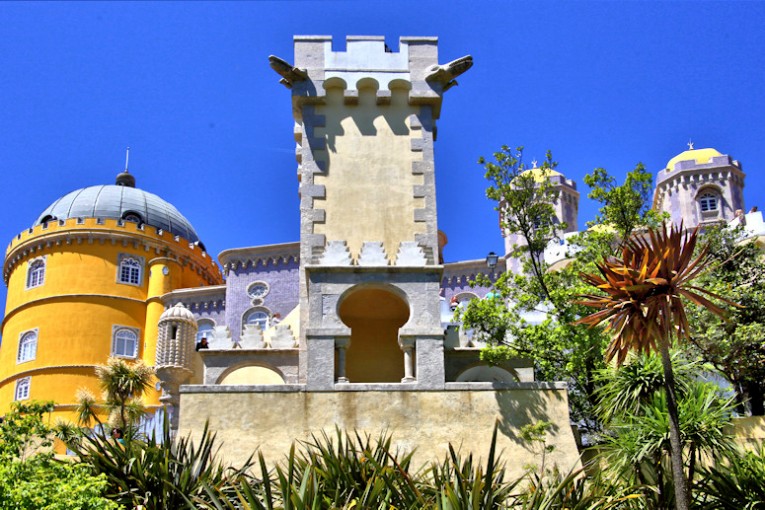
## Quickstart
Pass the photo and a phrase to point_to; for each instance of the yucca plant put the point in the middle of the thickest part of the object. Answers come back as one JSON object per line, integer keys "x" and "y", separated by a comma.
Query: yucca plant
{"x": 463, "y": 483}
{"x": 573, "y": 491}
{"x": 642, "y": 304}
{"x": 736, "y": 484}
{"x": 158, "y": 473}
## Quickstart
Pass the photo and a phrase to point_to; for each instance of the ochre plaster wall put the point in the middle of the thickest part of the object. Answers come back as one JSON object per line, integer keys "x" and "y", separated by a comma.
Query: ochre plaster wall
{"x": 426, "y": 420}
{"x": 369, "y": 181}
{"x": 80, "y": 301}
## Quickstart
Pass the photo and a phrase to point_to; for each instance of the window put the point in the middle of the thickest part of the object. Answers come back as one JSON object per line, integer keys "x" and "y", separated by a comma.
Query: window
{"x": 130, "y": 270}
{"x": 708, "y": 202}
{"x": 132, "y": 216}
{"x": 36, "y": 273}
{"x": 206, "y": 328}
{"x": 258, "y": 317}
{"x": 257, "y": 290}
{"x": 27, "y": 347}
{"x": 22, "y": 389}
{"x": 124, "y": 342}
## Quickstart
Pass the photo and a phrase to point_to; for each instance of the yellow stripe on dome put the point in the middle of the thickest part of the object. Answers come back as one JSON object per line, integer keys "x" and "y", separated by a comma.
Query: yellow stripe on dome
{"x": 697, "y": 155}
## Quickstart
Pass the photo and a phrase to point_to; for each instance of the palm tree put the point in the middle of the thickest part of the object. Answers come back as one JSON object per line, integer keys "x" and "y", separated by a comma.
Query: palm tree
{"x": 123, "y": 385}
{"x": 642, "y": 304}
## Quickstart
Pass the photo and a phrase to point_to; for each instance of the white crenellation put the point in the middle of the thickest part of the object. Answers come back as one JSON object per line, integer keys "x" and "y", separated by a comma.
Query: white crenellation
{"x": 372, "y": 254}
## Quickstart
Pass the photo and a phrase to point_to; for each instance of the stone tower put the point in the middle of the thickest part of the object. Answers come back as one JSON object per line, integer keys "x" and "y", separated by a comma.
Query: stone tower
{"x": 365, "y": 126}
{"x": 566, "y": 207}
{"x": 175, "y": 348}
{"x": 700, "y": 186}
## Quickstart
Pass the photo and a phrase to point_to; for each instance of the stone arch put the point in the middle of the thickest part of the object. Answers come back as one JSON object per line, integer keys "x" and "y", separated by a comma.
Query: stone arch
{"x": 251, "y": 374}
{"x": 374, "y": 313}
{"x": 706, "y": 188}
{"x": 487, "y": 373}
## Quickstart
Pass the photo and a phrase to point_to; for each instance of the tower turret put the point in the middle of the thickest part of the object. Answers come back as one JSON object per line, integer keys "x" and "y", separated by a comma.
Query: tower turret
{"x": 365, "y": 127}
{"x": 700, "y": 186}
{"x": 175, "y": 347}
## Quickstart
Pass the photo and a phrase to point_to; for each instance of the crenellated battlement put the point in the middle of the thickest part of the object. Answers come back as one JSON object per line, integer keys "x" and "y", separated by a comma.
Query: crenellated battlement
{"x": 36, "y": 239}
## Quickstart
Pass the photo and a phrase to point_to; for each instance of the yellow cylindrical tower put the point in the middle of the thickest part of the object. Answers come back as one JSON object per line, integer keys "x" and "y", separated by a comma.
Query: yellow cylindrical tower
{"x": 84, "y": 284}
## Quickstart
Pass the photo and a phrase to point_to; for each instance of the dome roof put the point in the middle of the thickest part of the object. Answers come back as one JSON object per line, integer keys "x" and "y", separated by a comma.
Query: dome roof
{"x": 698, "y": 155}
{"x": 178, "y": 312}
{"x": 540, "y": 174}
{"x": 120, "y": 202}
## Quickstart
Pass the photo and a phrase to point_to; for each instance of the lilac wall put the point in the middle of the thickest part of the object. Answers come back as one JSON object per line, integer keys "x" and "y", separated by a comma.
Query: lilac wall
{"x": 282, "y": 279}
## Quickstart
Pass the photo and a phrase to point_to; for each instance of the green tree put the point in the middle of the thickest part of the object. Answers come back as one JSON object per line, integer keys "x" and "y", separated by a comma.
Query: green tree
{"x": 641, "y": 300}
{"x": 624, "y": 207}
{"x": 735, "y": 347}
{"x": 561, "y": 349}
{"x": 31, "y": 478}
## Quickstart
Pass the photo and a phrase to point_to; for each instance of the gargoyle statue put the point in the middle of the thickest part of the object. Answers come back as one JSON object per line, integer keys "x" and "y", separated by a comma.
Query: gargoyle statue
{"x": 446, "y": 73}
{"x": 287, "y": 71}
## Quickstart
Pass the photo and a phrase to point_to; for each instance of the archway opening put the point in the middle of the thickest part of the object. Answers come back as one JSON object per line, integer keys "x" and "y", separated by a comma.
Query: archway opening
{"x": 252, "y": 375}
{"x": 485, "y": 373}
{"x": 374, "y": 316}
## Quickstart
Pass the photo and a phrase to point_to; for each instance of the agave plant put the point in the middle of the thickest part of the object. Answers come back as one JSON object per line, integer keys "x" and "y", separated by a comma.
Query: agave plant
{"x": 642, "y": 304}
{"x": 158, "y": 473}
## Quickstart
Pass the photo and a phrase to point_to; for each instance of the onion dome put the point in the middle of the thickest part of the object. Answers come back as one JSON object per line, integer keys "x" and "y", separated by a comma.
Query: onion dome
{"x": 178, "y": 313}
{"x": 699, "y": 156}
{"x": 121, "y": 201}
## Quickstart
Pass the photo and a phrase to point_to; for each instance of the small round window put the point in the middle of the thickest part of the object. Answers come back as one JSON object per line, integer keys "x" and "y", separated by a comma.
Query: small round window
{"x": 257, "y": 290}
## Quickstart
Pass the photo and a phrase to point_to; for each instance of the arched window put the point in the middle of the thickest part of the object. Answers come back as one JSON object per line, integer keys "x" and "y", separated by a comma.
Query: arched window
{"x": 124, "y": 342}
{"x": 709, "y": 202}
{"x": 256, "y": 317}
{"x": 206, "y": 328}
{"x": 130, "y": 270}
{"x": 36, "y": 273}
{"x": 27, "y": 347}
{"x": 22, "y": 389}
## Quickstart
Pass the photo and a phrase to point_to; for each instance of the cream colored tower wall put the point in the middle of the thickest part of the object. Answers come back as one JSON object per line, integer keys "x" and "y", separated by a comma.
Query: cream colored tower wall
{"x": 368, "y": 177}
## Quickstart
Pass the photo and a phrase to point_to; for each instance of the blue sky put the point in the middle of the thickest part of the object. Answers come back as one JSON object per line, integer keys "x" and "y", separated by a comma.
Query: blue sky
{"x": 188, "y": 87}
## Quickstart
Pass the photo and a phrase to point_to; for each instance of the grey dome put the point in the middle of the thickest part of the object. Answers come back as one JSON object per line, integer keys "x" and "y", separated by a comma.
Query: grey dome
{"x": 120, "y": 202}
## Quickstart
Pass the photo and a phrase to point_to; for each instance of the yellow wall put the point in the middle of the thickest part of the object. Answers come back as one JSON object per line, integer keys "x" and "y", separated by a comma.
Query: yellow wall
{"x": 252, "y": 375}
{"x": 369, "y": 181}
{"x": 425, "y": 420}
{"x": 81, "y": 300}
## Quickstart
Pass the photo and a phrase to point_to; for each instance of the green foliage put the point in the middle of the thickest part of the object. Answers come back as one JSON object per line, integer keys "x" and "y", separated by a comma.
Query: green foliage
{"x": 157, "y": 473}
{"x": 736, "y": 347}
{"x": 637, "y": 447}
{"x": 535, "y": 434}
{"x": 737, "y": 483}
{"x": 51, "y": 485}
{"x": 625, "y": 206}
{"x": 123, "y": 385}
{"x": 525, "y": 203}
{"x": 562, "y": 351}
{"x": 350, "y": 471}
{"x": 31, "y": 478}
